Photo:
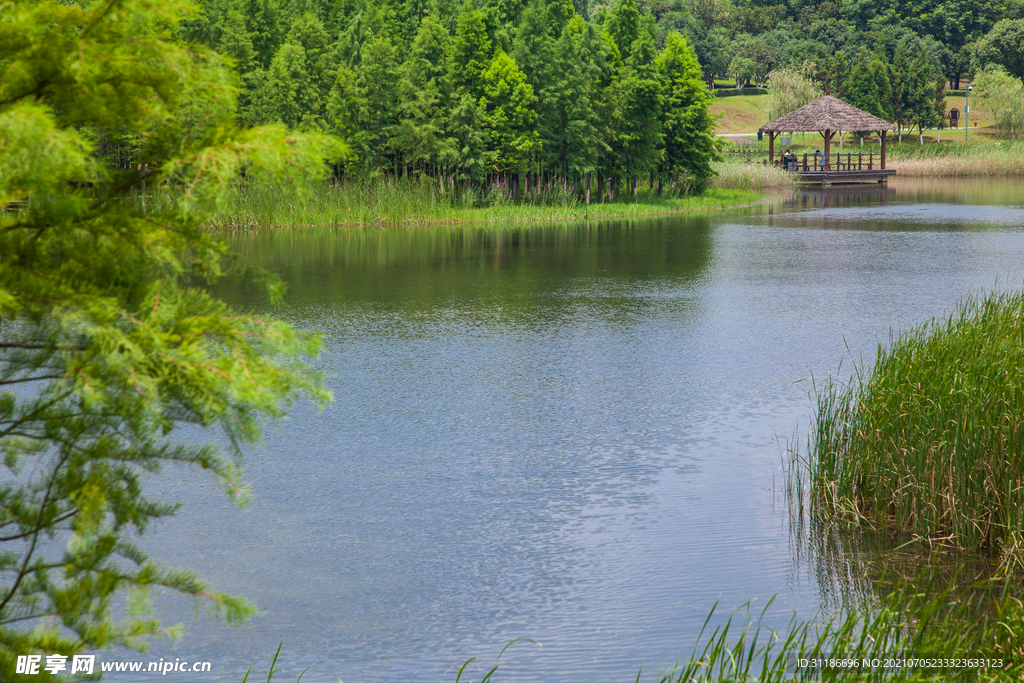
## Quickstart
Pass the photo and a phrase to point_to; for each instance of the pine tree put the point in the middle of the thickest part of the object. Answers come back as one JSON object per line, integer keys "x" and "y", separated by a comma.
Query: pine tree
{"x": 569, "y": 132}
{"x": 471, "y": 158}
{"x": 638, "y": 135}
{"x": 377, "y": 82}
{"x": 263, "y": 21}
{"x": 309, "y": 32}
{"x": 422, "y": 91}
{"x": 236, "y": 43}
{"x": 292, "y": 95}
{"x": 471, "y": 52}
{"x": 623, "y": 25}
{"x": 687, "y": 124}
{"x": 510, "y": 120}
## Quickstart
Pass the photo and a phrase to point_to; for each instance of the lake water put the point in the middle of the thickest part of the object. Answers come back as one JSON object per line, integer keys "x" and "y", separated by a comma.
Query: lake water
{"x": 571, "y": 433}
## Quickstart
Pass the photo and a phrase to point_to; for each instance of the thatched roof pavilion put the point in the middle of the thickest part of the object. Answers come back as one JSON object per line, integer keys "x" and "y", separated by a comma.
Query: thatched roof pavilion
{"x": 826, "y": 115}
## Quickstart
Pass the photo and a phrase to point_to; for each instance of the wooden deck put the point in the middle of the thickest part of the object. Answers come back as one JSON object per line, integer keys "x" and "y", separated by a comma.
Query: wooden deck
{"x": 839, "y": 168}
{"x": 832, "y": 176}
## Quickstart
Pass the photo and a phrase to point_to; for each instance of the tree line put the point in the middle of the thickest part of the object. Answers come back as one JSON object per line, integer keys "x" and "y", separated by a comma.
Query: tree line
{"x": 518, "y": 94}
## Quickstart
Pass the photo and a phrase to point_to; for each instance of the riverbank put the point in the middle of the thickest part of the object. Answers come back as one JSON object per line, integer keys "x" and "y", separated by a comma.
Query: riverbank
{"x": 387, "y": 203}
{"x": 958, "y": 159}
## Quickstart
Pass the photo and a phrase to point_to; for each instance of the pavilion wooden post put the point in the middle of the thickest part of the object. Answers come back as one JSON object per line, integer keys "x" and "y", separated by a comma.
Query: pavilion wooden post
{"x": 771, "y": 148}
{"x": 882, "y": 135}
{"x": 828, "y": 147}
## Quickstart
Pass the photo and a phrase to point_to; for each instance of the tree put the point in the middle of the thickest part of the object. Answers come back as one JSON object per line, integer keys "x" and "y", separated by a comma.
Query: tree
{"x": 108, "y": 343}
{"x": 570, "y": 138}
{"x": 742, "y": 69}
{"x": 687, "y": 126}
{"x": 923, "y": 95}
{"x": 378, "y": 95}
{"x": 422, "y": 93}
{"x": 471, "y": 51}
{"x": 1002, "y": 46}
{"x": 508, "y": 100}
{"x": 293, "y": 97}
{"x": 788, "y": 90}
{"x": 867, "y": 86}
{"x": 1003, "y": 95}
{"x": 623, "y": 25}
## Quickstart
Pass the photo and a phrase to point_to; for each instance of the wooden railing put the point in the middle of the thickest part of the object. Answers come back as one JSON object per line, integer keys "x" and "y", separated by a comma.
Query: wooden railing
{"x": 843, "y": 162}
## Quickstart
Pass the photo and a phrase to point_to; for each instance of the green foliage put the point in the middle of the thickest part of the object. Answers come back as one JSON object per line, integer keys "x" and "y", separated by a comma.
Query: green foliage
{"x": 867, "y": 86}
{"x": 471, "y": 52}
{"x": 1002, "y": 46}
{"x": 1003, "y": 95}
{"x": 108, "y": 342}
{"x": 788, "y": 90}
{"x": 688, "y": 127}
{"x": 510, "y": 119}
{"x": 930, "y": 440}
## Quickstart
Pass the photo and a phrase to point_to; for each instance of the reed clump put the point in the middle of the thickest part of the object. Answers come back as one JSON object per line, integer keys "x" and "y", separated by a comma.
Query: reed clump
{"x": 931, "y": 440}
{"x": 738, "y": 174}
{"x": 958, "y": 159}
{"x": 410, "y": 202}
{"x": 869, "y": 643}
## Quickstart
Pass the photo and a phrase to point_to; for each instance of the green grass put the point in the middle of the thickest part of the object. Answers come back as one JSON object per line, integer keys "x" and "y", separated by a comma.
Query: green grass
{"x": 386, "y": 202}
{"x": 930, "y": 441}
{"x": 739, "y": 174}
{"x": 739, "y": 113}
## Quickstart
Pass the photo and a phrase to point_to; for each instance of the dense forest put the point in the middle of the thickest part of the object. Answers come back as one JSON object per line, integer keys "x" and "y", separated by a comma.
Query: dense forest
{"x": 517, "y": 91}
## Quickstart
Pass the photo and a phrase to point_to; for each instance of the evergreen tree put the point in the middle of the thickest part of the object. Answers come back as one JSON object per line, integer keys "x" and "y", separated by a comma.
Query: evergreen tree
{"x": 377, "y": 82}
{"x": 899, "y": 73}
{"x": 534, "y": 46}
{"x": 236, "y": 43}
{"x": 263, "y": 20}
{"x": 687, "y": 124}
{"x": 420, "y": 135}
{"x": 863, "y": 87}
{"x": 471, "y": 52}
{"x": 293, "y": 97}
{"x": 637, "y": 137}
{"x": 345, "y": 109}
{"x": 309, "y": 32}
{"x": 623, "y": 25}
{"x": 510, "y": 120}
{"x": 471, "y": 158}
{"x": 570, "y": 136}
{"x": 837, "y": 74}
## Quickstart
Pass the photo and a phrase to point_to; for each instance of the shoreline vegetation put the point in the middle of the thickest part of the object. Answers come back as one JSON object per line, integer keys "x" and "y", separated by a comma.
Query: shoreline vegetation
{"x": 930, "y": 440}
{"x": 386, "y": 202}
{"x": 980, "y": 157}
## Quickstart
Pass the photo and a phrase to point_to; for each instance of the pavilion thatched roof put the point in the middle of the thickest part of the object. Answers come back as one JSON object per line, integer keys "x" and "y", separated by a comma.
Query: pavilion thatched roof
{"x": 827, "y": 113}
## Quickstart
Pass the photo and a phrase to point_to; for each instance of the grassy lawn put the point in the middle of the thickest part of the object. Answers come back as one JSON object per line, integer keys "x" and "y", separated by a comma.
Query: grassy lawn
{"x": 746, "y": 113}
{"x": 740, "y": 113}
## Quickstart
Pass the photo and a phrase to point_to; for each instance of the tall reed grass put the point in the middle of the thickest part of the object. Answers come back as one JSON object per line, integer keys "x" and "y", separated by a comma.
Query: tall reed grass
{"x": 737, "y": 174}
{"x": 415, "y": 203}
{"x": 958, "y": 159}
{"x": 930, "y": 441}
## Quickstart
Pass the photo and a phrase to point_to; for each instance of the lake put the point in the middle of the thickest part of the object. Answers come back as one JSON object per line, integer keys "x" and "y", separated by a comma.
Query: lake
{"x": 572, "y": 433}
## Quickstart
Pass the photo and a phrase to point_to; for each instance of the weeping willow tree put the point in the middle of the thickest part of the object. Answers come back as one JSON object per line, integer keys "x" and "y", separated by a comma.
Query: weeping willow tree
{"x": 108, "y": 341}
{"x": 1003, "y": 95}
{"x": 788, "y": 90}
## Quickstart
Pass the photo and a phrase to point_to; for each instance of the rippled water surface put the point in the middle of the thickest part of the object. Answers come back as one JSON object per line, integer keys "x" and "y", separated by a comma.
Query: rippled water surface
{"x": 571, "y": 433}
